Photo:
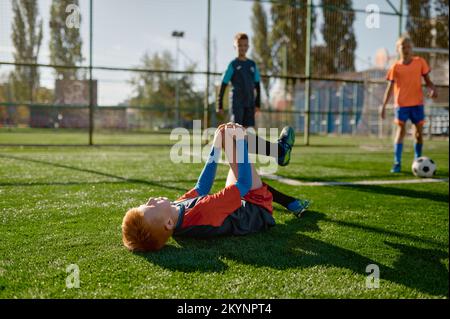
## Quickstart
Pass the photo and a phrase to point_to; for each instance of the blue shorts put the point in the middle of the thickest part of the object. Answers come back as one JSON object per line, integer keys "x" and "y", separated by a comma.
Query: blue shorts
{"x": 243, "y": 115}
{"x": 414, "y": 113}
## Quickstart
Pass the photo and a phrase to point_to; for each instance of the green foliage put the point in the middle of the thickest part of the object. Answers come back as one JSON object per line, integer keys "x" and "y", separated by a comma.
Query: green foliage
{"x": 441, "y": 7}
{"x": 261, "y": 43}
{"x": 157, "y": 89}
{"x": 289, "y": 21}
{"x": 65, "y": 43}
{"x": 425, "y": 17}
{"x": 27, "y": 37}
{"x": 340, "y": 41}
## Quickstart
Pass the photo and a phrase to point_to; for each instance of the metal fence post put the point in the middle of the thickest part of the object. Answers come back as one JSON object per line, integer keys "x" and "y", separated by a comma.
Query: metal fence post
{"x": 91, "y": 89}
{"x": 430, "y": 124}
{"x": 308, "y": 70}
{"x": 341, "y": 109}
{"x": 330, "y": 116}
{"x": 206, "y": 103}
{"x": 355, "y": 108}
{"x": 400, "y": 19}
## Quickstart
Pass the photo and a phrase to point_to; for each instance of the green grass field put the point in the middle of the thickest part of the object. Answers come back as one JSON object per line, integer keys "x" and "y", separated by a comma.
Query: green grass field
{"x": 64, "y": 205}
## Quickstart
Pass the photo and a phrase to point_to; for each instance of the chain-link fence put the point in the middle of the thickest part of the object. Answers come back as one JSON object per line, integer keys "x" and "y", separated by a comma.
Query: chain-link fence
{"x": 109, "y": 71}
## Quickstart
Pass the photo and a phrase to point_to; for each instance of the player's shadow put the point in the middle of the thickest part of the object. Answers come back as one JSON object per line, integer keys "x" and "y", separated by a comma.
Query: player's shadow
{"x": 207, "y": 255}
{"x": 292, "y": 245}
{"x": 340, "y": 178}
{"x": 393, "y": 191}
{"x": 419, "y": 268}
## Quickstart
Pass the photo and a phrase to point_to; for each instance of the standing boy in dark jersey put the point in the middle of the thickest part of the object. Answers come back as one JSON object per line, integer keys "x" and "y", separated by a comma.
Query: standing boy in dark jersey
{"x": 245, "y": 102}
{"x": 246, "y": 92}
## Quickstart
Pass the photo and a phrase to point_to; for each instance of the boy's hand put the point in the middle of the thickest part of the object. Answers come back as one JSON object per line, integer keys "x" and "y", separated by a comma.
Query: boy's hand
{"x": 235, "y": 130}
{"x": 153, "y": 200}
{"x": 231, "y": 125}
{"x": 432, "y": 92}
{"x": 383, "y": 112}
{"x": 257, "y": 109}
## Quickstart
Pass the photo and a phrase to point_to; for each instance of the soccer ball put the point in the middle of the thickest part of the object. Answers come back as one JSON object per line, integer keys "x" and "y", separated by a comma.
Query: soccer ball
{"x": 423, "y": 167}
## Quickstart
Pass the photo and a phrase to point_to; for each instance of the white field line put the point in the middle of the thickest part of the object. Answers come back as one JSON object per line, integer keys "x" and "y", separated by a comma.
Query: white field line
{"x": 294, "y": 182}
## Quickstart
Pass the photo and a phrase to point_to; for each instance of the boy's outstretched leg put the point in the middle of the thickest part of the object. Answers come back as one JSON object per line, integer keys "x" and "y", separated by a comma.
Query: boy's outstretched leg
{"x": 280, "y": 150}
{"x": 286, "y": 140}
{"x": 287, "y": 137}
{"x": 296, "y": 206}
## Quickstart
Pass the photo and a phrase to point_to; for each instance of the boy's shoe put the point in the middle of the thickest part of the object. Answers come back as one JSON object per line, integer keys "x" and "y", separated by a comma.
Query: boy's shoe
{"x": 286, "y": 141}
{"x": 396, "y": 168}
{"x": 298, "y": 207}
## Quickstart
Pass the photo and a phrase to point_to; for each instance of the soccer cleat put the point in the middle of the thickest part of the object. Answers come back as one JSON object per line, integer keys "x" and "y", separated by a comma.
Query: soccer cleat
{"x": 396, "y": 168}
{"x": 286, "y": 141}
{"x": 298, "y": 207}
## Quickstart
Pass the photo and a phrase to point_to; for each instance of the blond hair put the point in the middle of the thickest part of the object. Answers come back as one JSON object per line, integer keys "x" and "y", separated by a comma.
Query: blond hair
{"x": 137, "y": 234}
{"x": 402, "y": 39}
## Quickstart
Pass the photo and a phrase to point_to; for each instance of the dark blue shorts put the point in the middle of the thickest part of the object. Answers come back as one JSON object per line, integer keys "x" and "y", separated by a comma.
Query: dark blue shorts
{"x": 247, "y": 219}
{"x": 243, "y": 115}
{"x": 414, "y": 113}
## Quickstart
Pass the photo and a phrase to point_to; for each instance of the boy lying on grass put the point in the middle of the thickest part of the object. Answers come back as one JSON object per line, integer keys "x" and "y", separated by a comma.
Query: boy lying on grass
{"x": 243, "y": 206}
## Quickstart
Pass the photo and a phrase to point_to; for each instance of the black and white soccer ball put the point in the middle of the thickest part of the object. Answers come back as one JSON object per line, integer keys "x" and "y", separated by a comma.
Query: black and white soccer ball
{"x": 424, "y": 167}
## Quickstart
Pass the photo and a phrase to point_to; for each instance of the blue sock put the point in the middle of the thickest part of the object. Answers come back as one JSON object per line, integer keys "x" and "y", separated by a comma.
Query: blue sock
{"x": 294, "y": 205}
{"x": 398, "y": 149}
{"x": 417, "y": 150}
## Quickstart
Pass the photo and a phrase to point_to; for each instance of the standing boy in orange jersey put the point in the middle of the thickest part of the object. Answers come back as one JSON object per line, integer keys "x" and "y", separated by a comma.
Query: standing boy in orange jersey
{"x": 405, "y": 80}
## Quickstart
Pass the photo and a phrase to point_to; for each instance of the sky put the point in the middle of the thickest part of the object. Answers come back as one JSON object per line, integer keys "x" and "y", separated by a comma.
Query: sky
{"x": 123, "y": 30}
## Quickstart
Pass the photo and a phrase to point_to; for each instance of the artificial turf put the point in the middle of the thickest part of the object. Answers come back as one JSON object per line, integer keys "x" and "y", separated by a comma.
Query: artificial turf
{"x": 64, "y": 205}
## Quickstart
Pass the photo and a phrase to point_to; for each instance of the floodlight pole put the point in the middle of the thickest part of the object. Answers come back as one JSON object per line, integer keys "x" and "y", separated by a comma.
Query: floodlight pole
{"x": 208, "y": 41}
{"x": 177, "y": 35}
{"x": 308, "y": 71}
{"x": 285, "y": 42}
{"x": 177, "y": 88}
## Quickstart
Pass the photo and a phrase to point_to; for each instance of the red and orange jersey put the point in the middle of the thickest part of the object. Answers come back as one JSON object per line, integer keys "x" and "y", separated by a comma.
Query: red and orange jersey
{"x": 407, "y": 80}
{"x": 208, "y": 214}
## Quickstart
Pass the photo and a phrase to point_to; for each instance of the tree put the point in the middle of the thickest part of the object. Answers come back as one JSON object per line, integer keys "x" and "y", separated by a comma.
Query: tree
{"x": 339, "y": 36}
{"x": 418, "y": 23}
{"x": 27, "y": 38}
{"x": 289, "y": 22}
{"x": 441, "y": 7}
{"x": 261, "y": 52}
{"x": 157, "y": 89}
{"x": 65, "y": 41}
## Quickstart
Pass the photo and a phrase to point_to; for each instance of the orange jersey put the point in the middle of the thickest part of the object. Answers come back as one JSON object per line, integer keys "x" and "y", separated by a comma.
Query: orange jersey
{"x": 224, "y": 212}
{"x": 408, "y": 81}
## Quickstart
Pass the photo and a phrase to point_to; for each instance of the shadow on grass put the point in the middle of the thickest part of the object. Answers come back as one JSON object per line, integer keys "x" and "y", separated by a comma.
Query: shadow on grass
{"x": 379, "y": 189}
{"x": 419, "y": 268}
{"x": 394, "y": 191}
{"x": 387, "y": 232}
{"x": 288, "y": 246}
{"x": 24, "y": 184}
{"x": 162, "y": 184}
{"x": 342, "y": 178}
